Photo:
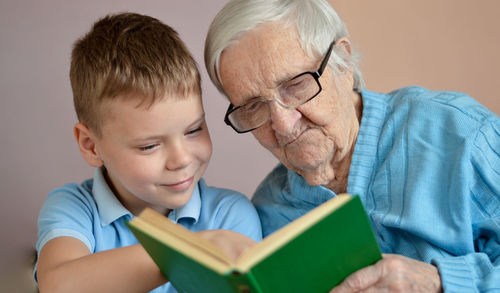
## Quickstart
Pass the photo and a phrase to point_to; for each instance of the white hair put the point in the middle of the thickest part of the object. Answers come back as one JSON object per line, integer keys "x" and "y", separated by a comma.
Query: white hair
{"x": 316, "y": 22}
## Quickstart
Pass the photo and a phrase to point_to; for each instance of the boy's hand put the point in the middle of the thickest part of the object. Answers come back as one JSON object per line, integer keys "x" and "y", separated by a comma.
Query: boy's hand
{"x": 232, "y": 243}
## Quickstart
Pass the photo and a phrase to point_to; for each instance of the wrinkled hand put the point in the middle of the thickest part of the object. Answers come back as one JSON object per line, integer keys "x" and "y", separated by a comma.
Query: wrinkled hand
{"x": 393, "y": 273}
{"x": 232, "y": 243}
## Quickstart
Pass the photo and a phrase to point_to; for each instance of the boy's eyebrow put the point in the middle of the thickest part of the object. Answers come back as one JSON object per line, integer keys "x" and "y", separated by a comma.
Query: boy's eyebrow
{"x": 146, "y": 138}
{"x": 200, "y": 120}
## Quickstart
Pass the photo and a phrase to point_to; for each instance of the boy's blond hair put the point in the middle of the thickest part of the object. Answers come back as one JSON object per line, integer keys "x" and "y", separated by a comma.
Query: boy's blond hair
{"x": 128, "y": 55}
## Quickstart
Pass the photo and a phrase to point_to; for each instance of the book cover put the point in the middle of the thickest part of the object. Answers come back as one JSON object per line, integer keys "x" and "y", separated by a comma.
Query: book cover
{"x": 311, "y": 254}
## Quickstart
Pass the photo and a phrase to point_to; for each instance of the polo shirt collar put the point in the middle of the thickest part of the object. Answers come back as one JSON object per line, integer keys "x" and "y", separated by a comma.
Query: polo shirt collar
{"x": 191, "y": 210}
{"x": 110, "y": 208}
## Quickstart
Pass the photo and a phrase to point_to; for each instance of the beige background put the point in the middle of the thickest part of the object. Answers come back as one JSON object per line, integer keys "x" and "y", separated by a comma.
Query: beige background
{"x": 442, "y": 45}
{"x": 446, "y": 44}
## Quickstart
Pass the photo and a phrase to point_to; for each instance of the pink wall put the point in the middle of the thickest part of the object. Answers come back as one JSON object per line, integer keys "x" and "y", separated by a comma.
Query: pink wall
{"x": 448, "y": 44}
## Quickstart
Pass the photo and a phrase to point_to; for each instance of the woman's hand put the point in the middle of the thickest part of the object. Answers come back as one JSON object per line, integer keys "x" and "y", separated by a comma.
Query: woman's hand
{"x": 394, "y": 273}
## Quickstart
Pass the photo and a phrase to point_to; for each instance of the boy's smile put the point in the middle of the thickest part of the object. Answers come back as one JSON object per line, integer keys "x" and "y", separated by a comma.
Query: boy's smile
{"x": 154, "y": 156}
{"x": 180, "y": 185}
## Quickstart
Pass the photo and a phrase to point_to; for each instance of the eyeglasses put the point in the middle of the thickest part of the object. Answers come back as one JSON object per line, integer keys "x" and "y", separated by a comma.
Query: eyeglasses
{"x": 292, "y": 94}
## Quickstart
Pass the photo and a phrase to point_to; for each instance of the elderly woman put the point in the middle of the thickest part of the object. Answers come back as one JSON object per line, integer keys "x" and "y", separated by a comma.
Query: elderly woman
{"x": 425, "y": 163}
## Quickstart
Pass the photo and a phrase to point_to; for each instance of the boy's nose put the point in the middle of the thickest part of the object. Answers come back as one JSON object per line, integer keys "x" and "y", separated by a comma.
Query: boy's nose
{"x": 178, "y": 157}
{"x": 283, "y": 120}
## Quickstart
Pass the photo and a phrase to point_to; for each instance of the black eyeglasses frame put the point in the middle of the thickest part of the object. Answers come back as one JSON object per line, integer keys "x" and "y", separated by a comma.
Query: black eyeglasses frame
{"x": 316, "y": 75}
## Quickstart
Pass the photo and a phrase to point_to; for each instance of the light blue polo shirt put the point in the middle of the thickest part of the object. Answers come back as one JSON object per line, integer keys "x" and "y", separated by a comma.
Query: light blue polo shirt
{"x": 91, "y": 213}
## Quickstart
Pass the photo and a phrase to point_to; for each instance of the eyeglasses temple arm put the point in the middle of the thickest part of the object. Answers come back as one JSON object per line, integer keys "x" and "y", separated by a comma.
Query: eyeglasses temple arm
{"x": 325, "y": 60}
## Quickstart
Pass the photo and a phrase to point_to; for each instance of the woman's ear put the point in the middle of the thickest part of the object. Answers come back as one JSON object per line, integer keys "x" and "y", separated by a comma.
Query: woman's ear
{"x": 87, "y": 144}
{"x": 345, "y": 53}
{"x": 344, "y": 44}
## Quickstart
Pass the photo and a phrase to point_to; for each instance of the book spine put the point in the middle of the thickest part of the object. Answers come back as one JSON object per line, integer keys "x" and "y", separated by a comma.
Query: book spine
{"x": 253, "y": 281}
{"x": 244, "y": 283}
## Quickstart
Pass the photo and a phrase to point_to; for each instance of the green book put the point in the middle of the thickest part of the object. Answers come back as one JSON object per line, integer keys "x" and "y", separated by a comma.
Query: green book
{"x": 311, "y": 254}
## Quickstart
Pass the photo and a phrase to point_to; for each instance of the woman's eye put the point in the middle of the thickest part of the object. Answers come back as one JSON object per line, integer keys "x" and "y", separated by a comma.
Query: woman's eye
{"x": 295, "y": 84}
{"x": 253, "y": 106}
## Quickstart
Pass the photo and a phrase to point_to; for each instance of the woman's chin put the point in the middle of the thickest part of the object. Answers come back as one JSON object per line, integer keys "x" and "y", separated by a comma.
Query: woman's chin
{"x": 320, "y": 173}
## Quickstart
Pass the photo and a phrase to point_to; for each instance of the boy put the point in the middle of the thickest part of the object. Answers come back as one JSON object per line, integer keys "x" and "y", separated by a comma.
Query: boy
{"x": 137, "y": 95}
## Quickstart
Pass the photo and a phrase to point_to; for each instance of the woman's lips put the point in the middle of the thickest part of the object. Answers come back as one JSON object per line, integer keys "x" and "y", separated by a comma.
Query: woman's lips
{"x": 181, "y": 185}
{"x": 298, "y": 137}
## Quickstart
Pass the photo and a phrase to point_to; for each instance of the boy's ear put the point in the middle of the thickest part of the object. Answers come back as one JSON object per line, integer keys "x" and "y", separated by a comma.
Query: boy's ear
{"x": 87, "y": 144}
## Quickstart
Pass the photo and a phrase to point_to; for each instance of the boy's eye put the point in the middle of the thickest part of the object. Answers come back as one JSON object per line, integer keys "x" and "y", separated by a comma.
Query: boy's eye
{"x": 193, "y": 131}
{"x": 148, "y": 147}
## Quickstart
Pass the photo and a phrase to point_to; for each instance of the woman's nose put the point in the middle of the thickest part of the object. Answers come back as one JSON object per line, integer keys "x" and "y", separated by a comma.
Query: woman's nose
{"x": 283, "y": 120}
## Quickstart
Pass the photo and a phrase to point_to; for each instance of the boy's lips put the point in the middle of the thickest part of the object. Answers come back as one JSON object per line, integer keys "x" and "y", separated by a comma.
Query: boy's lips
{"x": 181, "y": 185}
